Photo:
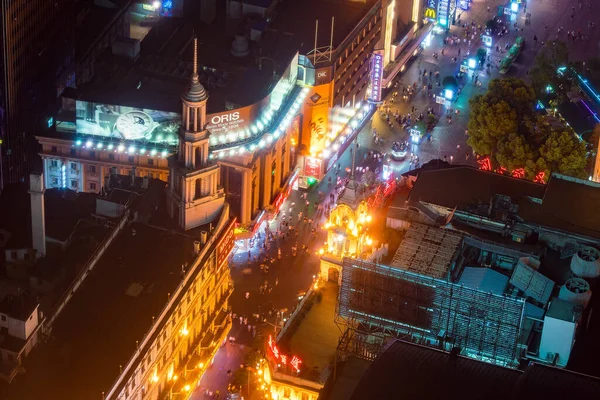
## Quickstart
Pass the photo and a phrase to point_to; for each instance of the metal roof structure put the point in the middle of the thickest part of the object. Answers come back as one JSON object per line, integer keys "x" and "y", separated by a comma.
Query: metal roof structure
{"x": 484, "y": 279}
{"x": 532, "y": 283}
{"x": 427, "y": 250}
{"x": 386, "y": 301}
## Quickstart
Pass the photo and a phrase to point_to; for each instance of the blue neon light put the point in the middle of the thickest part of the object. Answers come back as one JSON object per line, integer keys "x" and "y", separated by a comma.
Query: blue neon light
{"x": 590, "y": 110}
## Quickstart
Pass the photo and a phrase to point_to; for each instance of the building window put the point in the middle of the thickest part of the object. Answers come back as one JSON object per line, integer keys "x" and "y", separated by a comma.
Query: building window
{"x": 54, "y": 163}
{"x": 54, "y": 149}
{"x": 91, "y": 168}
{"x": 54, "y": 181}
{"x": 131, "y": 159}
{"x": 92, "y": 154}
{"x": 150, "y": 161}
{"x": 13, "y": 255}
{"x": 73, "y": 152}
{"x": 92, "y": 185}
{"x": 4, "y": 318}
{"x": 74, "y": 184}
{"x": 111, "y": 157}
{"x": 74, "y": 166}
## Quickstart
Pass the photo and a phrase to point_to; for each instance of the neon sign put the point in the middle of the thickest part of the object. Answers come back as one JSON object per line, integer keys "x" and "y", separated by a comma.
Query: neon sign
{"x": 539, "y": 178}
{"x": 376, "y": 76}
{"x": 518, "y": 173}
{"x": 431, "y": 10}
{"x": 484, "y": 163}
{"x": 282, "y": 358}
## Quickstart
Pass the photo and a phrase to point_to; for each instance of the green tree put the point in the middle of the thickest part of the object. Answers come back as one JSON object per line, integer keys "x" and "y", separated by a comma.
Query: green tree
{"x": 504, "y": 126}
{"x": 565, "y": 153}
{"x": 551, "y": 56}
{"x": 506, "y": 108}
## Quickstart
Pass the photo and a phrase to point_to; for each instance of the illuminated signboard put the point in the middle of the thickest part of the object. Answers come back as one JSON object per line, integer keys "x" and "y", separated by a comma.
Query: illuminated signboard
{"x": 376, "y": 76}
{"x": 129, "y": 123}
{"x": 243, "y": 122}
{"x": 284, "y": 360}
{"x": 225, "y": 245}
{"x": 443, "y": 12}
{"x": 312, "y": 167}
{"x": 431, "y": 10}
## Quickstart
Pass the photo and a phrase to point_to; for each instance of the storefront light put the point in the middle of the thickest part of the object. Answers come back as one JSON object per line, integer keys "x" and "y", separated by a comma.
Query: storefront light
{"x": 354, "y": 123}
{"x": 260, "y": 126}
{"x": 142, "y": 151}
{"x": 100, "y": 145}
{"x": 153, "y": 152}
{"x": 111, "y": 146}
{"x": 164, "y": 153}
{"x": 121, "y": 148}
{"x": 131, "y": 149}
{"x": 261, "y": 144}
{"x": 78, "y": 143}
{"x": 88, "y": 144}
{"x": 254, "y": 129}
{"x": 252, "y": 147}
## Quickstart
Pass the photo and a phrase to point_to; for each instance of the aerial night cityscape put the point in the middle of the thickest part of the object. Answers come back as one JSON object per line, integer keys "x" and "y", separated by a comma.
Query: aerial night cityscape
{"x": 300, "y": 199}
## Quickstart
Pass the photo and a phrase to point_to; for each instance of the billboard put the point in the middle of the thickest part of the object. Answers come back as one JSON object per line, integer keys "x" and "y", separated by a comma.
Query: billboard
{"x": 243, "y": 122}
{"x": 126, "y": 123}
{"x": 312, "y": 167}
{"x": 375, "y": 77}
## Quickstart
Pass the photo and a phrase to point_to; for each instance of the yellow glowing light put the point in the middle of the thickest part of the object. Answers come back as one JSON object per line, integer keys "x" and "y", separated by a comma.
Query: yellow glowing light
{"x": 369, "y": 218}
{"x": 355, "y": 232}
{"x": 316, "y": 286}
{"x": 321, "y": 251}
{"x": 155, "y": 378}
{"x": 175, "y": 377}
{"x": 260, "y": 371}
{"x": 187, "y": 388}
{"x": 369, "y": 241}
{"x": 201, "y": 365}
{"x": 184, "y": 331}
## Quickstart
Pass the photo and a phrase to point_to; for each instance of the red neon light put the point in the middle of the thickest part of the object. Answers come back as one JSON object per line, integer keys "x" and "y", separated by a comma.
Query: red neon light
{"x": 501, "y": 170}
{"x": 485, "y": 163}
{"x": 518, "y": 173}
{"x": 296, "y": 363}
{"x": 539, "y": 178}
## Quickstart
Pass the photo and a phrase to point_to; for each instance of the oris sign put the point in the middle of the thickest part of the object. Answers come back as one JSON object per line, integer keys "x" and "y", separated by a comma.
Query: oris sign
{"x": 231, "y": 120}
{"x": 219, "y": 119}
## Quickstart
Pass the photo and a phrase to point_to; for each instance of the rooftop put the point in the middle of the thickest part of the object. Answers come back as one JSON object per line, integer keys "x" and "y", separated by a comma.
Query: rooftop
{"x": 315, "y": 339}
{"x": 427, "y": 250}
{"x": 568, "y": 204}
{"x": 297, "y": 18}
{"x": 98, "y": 329}
{"x": 18, "y": 307}
{"x": 465, "y": 187}
{"x": 406, "y": 371}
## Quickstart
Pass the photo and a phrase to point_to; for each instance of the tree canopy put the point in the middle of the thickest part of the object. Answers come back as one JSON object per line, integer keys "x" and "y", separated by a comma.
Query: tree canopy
{"x": 504, "y": 125}
{"x": 552, "y": 55}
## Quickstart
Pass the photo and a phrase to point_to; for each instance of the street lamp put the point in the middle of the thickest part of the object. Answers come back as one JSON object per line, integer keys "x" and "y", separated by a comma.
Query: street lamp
{"x": 185, "y": 390}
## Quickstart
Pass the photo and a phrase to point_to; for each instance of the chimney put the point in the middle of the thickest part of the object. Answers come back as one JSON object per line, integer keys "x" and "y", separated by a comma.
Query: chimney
{"x": 38, "y": 223}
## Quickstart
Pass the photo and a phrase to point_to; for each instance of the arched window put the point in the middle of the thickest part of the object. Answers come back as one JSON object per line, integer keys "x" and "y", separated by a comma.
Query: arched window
{"x": 198, "y": 157}
{"x": 197, "y": 187}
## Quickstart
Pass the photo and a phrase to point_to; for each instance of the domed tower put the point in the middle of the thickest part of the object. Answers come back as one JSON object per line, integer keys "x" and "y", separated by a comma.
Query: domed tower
{"x": 194, "y": 198}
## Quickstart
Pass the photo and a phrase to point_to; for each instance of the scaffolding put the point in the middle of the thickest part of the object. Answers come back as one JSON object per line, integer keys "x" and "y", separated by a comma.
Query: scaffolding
{"x": 377, "y": 302}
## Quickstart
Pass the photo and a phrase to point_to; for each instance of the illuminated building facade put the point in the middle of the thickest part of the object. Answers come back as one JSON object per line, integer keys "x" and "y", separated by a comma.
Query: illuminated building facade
{"x": 190, "y": 329}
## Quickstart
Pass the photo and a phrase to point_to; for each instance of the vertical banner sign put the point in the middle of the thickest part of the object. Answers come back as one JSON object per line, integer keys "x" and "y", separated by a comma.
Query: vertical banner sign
{"x": 225, "y": 245}
{"x": 376, "y": 76}
{"x": 444, "y": 12}
{"x": 431, "y": 10}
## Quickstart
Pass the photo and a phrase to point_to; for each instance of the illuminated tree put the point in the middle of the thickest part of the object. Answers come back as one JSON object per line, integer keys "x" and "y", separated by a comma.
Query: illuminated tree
{"x": 504, "y": 127}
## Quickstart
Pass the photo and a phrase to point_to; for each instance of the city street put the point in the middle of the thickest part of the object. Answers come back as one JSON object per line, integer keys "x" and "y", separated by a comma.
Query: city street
{"x": 267, "y": 294}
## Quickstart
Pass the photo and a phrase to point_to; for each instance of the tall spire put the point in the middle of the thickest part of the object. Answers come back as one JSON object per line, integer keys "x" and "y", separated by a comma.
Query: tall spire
{"x": 354, "y": 158}
{"x": 195, "y": 75}
{"x": 196, "y": 92}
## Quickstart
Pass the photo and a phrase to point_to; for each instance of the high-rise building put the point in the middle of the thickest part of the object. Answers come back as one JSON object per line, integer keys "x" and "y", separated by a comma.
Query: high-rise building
{"x": 37, "y": 58}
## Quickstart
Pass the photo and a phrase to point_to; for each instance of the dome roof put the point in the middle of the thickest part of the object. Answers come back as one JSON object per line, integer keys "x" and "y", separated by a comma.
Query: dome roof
{"x": 195, "y": 91}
